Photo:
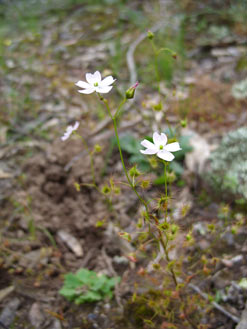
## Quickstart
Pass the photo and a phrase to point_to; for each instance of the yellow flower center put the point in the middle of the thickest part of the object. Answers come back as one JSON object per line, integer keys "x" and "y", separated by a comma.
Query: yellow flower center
{"x": 161, "y": 147}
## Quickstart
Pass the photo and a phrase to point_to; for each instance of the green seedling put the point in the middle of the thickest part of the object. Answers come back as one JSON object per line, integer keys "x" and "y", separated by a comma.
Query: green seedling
{"x": 87, "y": 286}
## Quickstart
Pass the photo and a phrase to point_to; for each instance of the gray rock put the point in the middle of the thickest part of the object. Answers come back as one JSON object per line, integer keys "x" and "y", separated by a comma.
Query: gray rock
{"x": 36, "y": 316}
{"x": 196, "y": 160}
{"x": 55, "y": 324}
{"x": 8, "y": 313}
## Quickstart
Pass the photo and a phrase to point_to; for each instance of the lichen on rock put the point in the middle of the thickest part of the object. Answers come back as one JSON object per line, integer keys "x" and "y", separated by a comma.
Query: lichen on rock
{"x": 228, "y": 170}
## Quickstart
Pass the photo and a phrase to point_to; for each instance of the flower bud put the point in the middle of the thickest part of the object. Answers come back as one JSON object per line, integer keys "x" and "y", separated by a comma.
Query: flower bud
{"x": 139, "y": 223}
{"x": 157, "y": 107}
{"x": 174, "y": 55}
{"x": 156, "y": 266}
{"x": 116, "y": 190}
{"x": 125, "y": 236}
{"x": 145, "y": 184}
{"x": 130, "y": 93}
{"x": 77, "y": 186}
{"x": 100, "y": 223}
{"x": 153, "y": 162}
{"x": 183, "y": 123}
{"x": 142, "y": 271}
{"x": 106, "y": 189}
{"x": 97, "y": 148}
{"x": 134, "y": 172}
{"x": 171, "y": 177}
{"x": 132, "y": 257}
{"x": 150, "y": 35}
{"x": 164, "y": 226}
{"x": 188, "y": 237}
{"x": 174, "y": 229}
{"x": 211, "y": 227}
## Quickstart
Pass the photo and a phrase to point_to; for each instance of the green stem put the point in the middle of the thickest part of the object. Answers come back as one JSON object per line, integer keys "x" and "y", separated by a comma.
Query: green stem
{"x": 92, "y": 168}
{"x": 169, "y": 127}
{"x": 166, "y": 193}
{"x": 156, "y": 66}
{"x": 124, "y": 167}
{"x": 165, "y": 179}
{"x": 164, "y": 245}
{"x": 161, "y": 237}
{"x": 166, "y": 49}
{"x": 120, "y": 107}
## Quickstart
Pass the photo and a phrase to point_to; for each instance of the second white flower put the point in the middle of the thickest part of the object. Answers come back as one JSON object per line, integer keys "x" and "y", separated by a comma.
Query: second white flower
{"x": 160, "y": 147}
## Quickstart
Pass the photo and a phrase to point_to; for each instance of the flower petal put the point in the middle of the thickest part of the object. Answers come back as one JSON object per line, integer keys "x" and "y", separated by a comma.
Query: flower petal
{"x": 159, "y": 139}
{"x": 87, "y": 91}
{"x": 97, "y": 76}
{"x": 107, "y": 81}
{"x": 64, "y": 137}
{"x": 69, "y": 129}
{"x": 93, "y": 78}
{"x": 165, "y": 155}
{"x": 83, "y": 84}
{"x": 66, "y": 134}
{"x": 164, "y": 138}
{"x": 76, "y": 125}
{"x": 148, "y": 151}
{"x": 90, "y": 78}
{"x": 173, "y": 147}
{"x": 149, "y": 145}
{"x": 103, "y": 90}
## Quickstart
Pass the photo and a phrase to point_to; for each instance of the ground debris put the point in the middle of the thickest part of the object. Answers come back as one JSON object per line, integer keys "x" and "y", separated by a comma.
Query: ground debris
{"x": 4, "y": 174}
{"x": 71, "y": 242}
{"x": 243, "y": 321}
{"x": 5, "y": 292}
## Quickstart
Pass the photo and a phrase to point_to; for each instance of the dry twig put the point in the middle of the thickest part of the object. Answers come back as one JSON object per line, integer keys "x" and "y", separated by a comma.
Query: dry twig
{"x": 216, "y": 305}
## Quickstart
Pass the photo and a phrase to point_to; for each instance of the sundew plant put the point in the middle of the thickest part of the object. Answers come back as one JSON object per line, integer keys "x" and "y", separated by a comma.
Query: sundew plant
{"x": 155, "y": 226}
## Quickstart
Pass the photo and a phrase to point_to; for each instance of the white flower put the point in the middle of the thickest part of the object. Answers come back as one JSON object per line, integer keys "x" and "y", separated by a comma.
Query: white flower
{"x": 94, "y": 83}
{"x": 69, "y": 131}
{"x": 160, "y": 147}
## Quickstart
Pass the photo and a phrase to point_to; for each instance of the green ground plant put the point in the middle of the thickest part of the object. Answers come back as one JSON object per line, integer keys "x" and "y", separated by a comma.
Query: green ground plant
{"x": 87, "y": 286}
